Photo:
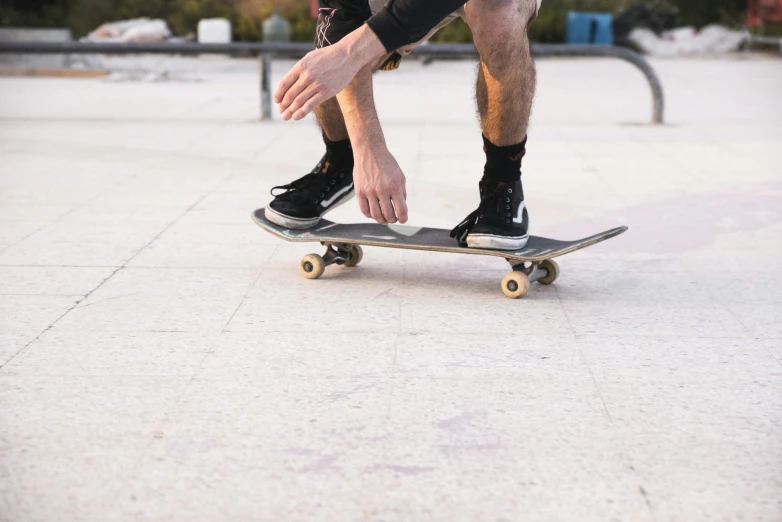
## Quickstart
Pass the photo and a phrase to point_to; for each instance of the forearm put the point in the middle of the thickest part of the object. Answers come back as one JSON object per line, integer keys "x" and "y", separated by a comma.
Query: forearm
{"x": 362, "y": 47}
{"x": 378, "y": 181}
{"x": 358, "y": 108}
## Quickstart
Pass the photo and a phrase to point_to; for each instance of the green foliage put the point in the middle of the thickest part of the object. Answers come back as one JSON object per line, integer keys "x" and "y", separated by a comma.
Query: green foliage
{"x": 296, "y": 13}
{"x": 772, "y": 30}
{"x": 703, "y": 12}
{"x": 86, "y": 15}
{"x": 246, "y": 16}
{"x": 184, "y": 16}
{"x": 32, "y": 13}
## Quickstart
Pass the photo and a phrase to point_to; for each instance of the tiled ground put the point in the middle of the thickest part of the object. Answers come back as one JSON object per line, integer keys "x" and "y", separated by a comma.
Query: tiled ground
{"x": 162, "y": 359}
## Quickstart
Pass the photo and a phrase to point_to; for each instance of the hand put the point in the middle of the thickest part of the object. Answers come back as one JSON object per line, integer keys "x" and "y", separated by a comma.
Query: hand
{"x": 322, "y": 73}
{"x": 380, "y": 185}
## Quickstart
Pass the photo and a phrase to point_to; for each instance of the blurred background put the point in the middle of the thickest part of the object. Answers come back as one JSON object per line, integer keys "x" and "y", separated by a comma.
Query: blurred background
{"x": 247, "y": 16}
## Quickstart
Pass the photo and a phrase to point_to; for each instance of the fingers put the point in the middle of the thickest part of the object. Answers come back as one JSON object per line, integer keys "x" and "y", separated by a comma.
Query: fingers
{"x": 400, "y": 205}
{"x": 293, "y": 95}
{"x": 399, "y": 197}
{"x": 384, "y": 209}
{"x": 296, "y": 104}
{"x": 363, "y": 205}
{"x": 388, "y": 210}
{"x": 387, "y": 204}
{"x": 375, "y": 212}
{"x": 301, "y": 99}
{"x": 310, "y": 105}
{"x": 286, "y": 84}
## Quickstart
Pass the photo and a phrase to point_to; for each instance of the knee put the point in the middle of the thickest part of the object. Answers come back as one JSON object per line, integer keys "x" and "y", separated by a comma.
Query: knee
{"x": 499, "y": 29}
{"x": 500, "y": 19}
{"x": 486, "y": 12}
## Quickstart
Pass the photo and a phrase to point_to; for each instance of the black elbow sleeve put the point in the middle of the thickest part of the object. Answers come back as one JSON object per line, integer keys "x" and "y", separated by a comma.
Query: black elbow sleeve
{"x": 338, "y": 18}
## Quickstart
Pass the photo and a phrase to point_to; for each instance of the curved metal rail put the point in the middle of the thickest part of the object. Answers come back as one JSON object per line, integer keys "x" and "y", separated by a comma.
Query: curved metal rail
{"x": 268, "y": 50}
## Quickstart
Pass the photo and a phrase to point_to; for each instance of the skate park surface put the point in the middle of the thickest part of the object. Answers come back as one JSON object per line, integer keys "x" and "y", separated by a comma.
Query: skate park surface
{"x": 161, "y": 358}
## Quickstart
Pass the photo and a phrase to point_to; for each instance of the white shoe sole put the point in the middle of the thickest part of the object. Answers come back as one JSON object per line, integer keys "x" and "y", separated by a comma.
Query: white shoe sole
{"x": 301, "y": 223}
{"x": 493, "y": 242}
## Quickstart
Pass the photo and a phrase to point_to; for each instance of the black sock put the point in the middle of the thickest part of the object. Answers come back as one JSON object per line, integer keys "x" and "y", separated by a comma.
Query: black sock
{"x": 339, "y": 153}
{"x": 503, "y": 163}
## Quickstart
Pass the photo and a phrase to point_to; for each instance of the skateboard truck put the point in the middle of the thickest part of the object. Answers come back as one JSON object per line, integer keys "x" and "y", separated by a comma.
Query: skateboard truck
{"x": 313, "y": 265}
{"x": 517, "y": 283}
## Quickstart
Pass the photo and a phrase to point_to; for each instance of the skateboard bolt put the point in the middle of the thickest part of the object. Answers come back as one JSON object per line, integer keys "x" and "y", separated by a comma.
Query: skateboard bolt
{"x": 308, "y": 267}
{"x": 513, "y": 286}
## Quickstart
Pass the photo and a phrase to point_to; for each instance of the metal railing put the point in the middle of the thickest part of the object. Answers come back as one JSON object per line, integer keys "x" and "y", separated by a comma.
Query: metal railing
{"x": 267, "y": 51}
{"x": 772, "y": 41}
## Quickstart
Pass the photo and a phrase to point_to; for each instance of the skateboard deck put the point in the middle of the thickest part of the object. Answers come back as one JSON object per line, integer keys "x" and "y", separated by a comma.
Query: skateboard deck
{"x": 343, "y": 247}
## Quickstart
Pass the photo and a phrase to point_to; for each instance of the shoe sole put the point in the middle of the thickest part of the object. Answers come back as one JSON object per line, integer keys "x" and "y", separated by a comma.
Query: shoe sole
{"x": 301, "y": 223}
{"x": 494, "y": 242}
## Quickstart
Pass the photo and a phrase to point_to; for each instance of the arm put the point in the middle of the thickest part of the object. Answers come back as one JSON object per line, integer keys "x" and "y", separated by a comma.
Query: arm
{"x": 322, "y": 73}
{"x": 377, "y": 178}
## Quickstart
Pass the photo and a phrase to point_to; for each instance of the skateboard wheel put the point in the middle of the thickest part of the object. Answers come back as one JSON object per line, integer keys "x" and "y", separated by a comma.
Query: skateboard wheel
{"x": 312, "y": 266}
{"x": 552, "y": 268}
{"x": 355, "y": 257}
{"x": 515, "y": 284}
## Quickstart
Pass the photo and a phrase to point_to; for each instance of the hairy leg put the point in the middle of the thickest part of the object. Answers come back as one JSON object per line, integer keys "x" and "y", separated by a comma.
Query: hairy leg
{"x": 506, "y": 72}
{"x": 330, "y": 119}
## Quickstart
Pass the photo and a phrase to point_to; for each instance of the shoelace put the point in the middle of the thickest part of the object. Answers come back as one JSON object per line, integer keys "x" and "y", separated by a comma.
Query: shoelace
{"x": 301, "y": 189}
{"x": 461, "y": 230}
{"x": 491, "y": 200}
{"x": 311, "y": 187}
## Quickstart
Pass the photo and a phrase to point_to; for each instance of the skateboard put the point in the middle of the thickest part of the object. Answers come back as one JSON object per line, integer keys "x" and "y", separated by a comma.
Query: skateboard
{"x": 343, "y": 243}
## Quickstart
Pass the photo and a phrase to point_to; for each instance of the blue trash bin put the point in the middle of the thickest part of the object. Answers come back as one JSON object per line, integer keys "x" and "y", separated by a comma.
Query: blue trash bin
{"x": 590, "y": 28}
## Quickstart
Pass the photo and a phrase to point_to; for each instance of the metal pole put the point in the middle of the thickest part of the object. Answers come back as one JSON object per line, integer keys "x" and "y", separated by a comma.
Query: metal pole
{"x": 266, "y": 95}
{"x": 293, "y": 50}
{"x": 658, "y": 97}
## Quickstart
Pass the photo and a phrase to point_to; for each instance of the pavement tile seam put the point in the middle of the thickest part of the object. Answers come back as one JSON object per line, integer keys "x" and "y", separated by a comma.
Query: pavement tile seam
{"x": 53, "y": 323}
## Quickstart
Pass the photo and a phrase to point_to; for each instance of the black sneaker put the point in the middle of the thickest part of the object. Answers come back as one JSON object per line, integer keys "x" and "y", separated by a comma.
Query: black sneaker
{"x": 500, "y": 222}
{"x": 304, "y": 201}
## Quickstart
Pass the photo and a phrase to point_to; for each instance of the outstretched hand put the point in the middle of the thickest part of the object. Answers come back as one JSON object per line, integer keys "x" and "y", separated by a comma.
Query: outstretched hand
{"x": 324, "y": 72}
{"x": 320, "y": 75}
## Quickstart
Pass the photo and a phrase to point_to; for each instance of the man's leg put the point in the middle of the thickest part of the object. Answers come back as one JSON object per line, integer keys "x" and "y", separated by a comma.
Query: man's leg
{"x": 505, "y": 89}
{"x": 331, "y": 121}
{"x": 506, "y": 73}
{"x": 339, "y": 153}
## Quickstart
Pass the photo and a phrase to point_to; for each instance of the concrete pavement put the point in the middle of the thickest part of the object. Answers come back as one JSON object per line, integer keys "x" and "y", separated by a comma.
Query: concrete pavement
{"x": 162, "y": 359}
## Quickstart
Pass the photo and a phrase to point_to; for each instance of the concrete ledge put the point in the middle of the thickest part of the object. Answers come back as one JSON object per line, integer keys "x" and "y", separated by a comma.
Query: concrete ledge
{"x": 52, "y": 73}
{"x": 26, "y": 34}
